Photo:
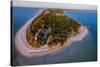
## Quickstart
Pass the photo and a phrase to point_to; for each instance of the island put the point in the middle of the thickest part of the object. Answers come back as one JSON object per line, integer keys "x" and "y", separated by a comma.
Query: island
{"x": 49, "y": 32}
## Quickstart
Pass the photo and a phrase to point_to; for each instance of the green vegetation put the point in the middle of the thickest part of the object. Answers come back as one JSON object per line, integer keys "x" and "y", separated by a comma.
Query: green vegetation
{"x": 51, "y": 28}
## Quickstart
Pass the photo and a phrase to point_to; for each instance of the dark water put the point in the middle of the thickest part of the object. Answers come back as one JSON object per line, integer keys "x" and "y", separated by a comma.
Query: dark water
{"x": 85, "y": 50}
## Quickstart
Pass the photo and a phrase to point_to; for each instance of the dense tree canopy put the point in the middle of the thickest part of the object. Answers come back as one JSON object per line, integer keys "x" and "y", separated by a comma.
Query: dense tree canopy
{"x": 61, "y": 28}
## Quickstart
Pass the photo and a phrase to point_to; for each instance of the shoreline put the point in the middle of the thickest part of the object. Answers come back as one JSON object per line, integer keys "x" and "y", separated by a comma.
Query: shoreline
{"x": 26, "y": 50}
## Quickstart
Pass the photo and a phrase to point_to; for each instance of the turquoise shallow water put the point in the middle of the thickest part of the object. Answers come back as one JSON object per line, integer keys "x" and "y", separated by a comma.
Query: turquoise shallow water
{"x": 85, "y": 50}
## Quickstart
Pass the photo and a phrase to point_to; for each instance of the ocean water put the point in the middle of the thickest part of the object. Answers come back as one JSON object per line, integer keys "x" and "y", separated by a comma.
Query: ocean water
{"x": 81, "y": 51}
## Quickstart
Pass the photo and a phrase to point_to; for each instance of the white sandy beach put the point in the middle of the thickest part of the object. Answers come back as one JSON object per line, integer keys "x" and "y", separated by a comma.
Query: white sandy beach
{"x": 26, "y": 50}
